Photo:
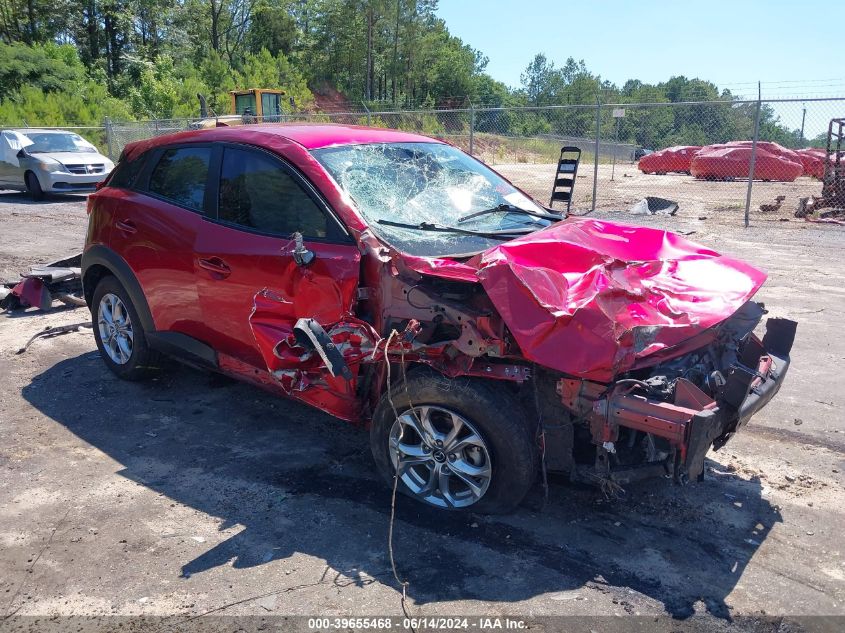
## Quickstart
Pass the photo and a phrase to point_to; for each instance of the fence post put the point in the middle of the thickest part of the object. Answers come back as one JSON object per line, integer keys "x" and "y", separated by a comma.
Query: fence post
{"x": 109, "y": 134}
{"x": 471, "y": 128}
{"x": 367, "y": 110}
{"x": 596, "y": 157}
{"x": 753, "y": 162}
{"x": 615, "y": 149}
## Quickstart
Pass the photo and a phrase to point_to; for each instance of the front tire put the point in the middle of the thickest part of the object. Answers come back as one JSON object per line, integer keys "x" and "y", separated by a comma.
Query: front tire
{"x": 460, "y": 444}
{"x": 118, "y": 332}
{"x": 34, "y": 187}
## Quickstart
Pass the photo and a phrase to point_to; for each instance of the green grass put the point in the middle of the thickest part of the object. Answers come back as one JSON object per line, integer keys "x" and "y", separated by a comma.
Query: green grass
{"x": 497, "y": 148}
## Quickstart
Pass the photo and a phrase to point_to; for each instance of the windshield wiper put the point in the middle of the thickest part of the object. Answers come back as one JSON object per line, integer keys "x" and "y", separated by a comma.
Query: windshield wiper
{"x": 510, "y": 208}
{"x": 429, "y": 226}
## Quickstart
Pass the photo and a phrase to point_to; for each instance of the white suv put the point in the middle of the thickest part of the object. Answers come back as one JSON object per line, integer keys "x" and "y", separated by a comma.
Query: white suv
{"x": 50, "y": 161}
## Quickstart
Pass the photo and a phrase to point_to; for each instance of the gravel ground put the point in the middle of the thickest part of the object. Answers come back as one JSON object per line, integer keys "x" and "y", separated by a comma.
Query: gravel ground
{"x": 192, "y": 494}
{"x": 718, "y": 202}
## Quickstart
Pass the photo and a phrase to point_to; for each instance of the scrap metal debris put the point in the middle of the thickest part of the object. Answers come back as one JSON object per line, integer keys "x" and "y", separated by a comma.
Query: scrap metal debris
{"x": 834, "y": 216}
{"x": 59, "y": 280}
{"x": 833, "y": 182}
{"x": 651, "y": 205}
{"x": 771, "y": 208}
{"x": 51, "y": 332}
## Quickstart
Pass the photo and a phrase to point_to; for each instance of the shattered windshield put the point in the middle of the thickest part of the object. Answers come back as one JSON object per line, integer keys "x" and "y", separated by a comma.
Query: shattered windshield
{"x": 424, "y": 184}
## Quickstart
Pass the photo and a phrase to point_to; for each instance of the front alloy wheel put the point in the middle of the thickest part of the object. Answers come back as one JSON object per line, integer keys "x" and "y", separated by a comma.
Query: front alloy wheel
{"x": 440, "y": 456}
{"x": 459, "y": 444}
{"x": 115, "y": 326}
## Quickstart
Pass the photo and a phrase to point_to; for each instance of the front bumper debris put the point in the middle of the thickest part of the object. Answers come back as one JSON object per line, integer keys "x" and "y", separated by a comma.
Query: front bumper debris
{"x": 38, "y": 288}
{"x": 694, "y": 421}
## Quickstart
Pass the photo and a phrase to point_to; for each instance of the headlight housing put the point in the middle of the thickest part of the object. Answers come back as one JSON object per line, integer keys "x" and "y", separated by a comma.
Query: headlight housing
{"x": 51, "y": 166}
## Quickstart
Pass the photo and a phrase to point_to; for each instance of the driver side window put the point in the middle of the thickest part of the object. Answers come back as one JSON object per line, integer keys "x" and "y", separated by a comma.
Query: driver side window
{"x": 257, "y": 192}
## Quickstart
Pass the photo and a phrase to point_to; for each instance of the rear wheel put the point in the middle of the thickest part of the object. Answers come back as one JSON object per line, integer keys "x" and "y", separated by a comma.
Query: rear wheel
{"x": 458, "y": 444}
{"x": 34, "y": 187}
{"x": 118, "y": 332}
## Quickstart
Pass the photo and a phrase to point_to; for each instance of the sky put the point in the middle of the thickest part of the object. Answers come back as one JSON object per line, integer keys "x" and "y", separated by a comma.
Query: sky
{"x": 794, "y": 48}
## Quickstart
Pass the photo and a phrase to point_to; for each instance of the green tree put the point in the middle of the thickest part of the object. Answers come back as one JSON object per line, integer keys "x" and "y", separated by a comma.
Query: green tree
{"x": 154, "y": 96}
{"x": 272, "y": 28}
{"x": 46, "y": 67}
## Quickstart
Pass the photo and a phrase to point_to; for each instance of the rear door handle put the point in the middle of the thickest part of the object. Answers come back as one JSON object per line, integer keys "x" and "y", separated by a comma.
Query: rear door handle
{"x": 216, "y": 266}
{"x": 127, "y": 226}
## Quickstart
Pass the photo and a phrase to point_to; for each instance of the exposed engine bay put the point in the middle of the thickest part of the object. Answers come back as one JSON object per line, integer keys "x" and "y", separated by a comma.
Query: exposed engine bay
{"x": 664, "y": 419}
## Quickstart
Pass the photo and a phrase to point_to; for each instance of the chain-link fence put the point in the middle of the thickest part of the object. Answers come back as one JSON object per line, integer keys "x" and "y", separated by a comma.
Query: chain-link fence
{"x": 722, "y": 159}
{"x": 95, "y": 134}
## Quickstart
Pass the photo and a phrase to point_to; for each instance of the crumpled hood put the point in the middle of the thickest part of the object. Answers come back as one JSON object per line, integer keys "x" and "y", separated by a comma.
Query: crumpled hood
{"x": 593, "y": 299}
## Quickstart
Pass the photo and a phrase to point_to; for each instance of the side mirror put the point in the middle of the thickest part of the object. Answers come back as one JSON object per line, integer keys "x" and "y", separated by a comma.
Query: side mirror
{"x": 21, "y": 153}
{"x": 301, "y": 255}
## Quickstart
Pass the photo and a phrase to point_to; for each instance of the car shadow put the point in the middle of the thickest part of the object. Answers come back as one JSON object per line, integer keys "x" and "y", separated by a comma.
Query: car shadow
{"x": 19, "y": 197}
{"x": 300, "y": 481}
{"x": 57, "y": 308}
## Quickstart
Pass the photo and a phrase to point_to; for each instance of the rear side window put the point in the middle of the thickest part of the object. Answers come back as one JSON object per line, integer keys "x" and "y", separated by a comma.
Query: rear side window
{"x": 180, "y": 176}
{"x": 258, "y": 192}
{"x": 126, "y": 172}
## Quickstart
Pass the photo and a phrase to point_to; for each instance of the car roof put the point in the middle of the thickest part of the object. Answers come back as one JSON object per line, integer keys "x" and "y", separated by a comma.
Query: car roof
{"x": 308, "y": 135}
{"x": 318, "y": 135}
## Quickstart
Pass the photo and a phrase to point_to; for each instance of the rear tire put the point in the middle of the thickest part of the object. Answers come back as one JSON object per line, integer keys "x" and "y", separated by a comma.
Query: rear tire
{"x": 34, "y": 187}
{"x": 490, "y": 464}
{"x": 118, "y": 332}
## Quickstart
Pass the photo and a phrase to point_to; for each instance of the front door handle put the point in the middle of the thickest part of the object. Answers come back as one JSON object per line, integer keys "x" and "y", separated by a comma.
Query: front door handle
{"x": 127, "y": 226}
{"x": 216, "y": 266}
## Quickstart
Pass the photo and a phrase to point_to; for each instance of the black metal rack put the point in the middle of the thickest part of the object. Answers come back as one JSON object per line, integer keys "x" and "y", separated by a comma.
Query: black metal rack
{"x": 567, "y": 170}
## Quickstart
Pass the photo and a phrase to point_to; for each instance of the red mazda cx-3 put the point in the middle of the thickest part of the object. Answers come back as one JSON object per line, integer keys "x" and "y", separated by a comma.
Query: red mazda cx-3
{"x": 394, "y": 281}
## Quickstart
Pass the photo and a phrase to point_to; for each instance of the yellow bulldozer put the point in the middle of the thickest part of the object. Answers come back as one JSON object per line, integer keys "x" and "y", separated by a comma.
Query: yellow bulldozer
{"x": 255, "y": 105}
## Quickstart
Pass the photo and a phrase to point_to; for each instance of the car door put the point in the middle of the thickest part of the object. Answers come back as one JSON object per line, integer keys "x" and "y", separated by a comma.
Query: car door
{"x": 11, "y": 173}
{"x": 154, "y": 226}
{"x": 245, "y": 256}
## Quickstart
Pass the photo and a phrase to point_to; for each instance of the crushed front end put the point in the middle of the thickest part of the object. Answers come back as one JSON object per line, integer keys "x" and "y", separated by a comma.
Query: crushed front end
{"x": 662, "y": 420}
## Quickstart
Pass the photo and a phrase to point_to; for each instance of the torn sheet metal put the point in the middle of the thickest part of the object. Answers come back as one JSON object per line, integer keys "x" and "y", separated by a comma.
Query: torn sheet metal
{"x": 593, "y": 299}
{"x": 442, "y": 267}
{"x": 275, "y": 334}
{"x": 301, "y": 371}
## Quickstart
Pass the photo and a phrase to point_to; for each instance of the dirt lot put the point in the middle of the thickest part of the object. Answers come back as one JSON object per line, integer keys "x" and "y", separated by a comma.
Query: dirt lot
{"x": 719, "y": 202}
{"x": 192, "y": 495}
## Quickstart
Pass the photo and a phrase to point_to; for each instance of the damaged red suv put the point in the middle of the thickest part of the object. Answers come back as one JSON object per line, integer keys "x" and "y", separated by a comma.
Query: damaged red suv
{"x": 396, "y": 282}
